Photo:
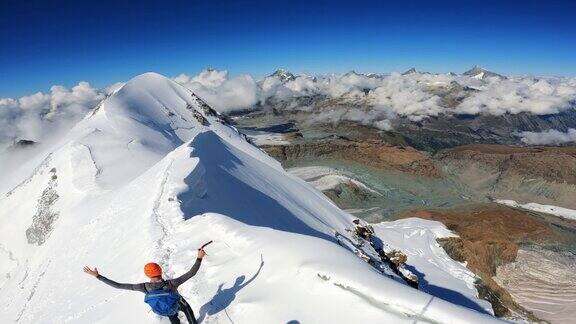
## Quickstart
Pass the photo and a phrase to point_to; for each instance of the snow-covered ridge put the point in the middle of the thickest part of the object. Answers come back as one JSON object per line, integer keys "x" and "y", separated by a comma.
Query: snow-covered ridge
{"x": 152, "y": 174}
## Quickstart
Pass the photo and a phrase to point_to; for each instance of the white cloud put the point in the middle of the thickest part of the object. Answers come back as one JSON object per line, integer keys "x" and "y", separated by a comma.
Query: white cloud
{"x": 501, "y": 96}
{"x": 38, "y": 116}
{"x": 383, "y": 125}
{"x": 405, "y": 96}
{"x": 221, "y": 92}
{"x": 372, "y": 118}
{"x": 418, "y": 96}
{"x": 549, "y": 137}
{"x": 372, "y": 100}
{"x": 78, "y": 100}
{"x": 38, "y": 100}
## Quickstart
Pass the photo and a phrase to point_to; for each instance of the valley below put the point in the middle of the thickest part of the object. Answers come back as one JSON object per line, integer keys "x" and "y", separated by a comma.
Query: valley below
{"x": 521, "y": 257}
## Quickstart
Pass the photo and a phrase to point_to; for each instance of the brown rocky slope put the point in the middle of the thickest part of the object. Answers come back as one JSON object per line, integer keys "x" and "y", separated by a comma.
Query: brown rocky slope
{"x": 489, "y": 236}
{"x": 545, "y": 175}
{"x": 373, "y": 152}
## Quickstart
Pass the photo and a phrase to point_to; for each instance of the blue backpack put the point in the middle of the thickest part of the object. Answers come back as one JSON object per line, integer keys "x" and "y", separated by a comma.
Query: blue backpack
{"x": 163, "y": 302}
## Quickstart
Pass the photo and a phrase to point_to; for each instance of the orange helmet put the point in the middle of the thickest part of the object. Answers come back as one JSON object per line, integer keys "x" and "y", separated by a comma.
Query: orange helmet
{"x": 152, "y": 270}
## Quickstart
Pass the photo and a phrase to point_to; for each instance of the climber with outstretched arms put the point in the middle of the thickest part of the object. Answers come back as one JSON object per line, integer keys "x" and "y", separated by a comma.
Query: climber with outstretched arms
{"x": 162, "y": 295}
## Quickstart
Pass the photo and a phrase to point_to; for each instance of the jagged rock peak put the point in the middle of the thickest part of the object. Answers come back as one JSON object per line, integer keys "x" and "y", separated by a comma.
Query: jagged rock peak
{"x": 480, "y": 73}
{"x": 410, "y": 71}
{"x": 284, "y": 75}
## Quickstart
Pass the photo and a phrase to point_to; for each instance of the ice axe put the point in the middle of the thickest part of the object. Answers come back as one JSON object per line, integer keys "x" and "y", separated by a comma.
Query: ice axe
{"x": 205, "y": 245}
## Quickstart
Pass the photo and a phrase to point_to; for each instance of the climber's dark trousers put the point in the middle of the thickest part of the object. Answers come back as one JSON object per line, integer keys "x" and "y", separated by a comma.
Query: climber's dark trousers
{"x": 187, "y": 310}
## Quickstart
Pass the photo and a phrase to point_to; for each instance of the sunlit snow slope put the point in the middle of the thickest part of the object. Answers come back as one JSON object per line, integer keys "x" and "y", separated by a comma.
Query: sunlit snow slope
{"x": 150, "y": 175}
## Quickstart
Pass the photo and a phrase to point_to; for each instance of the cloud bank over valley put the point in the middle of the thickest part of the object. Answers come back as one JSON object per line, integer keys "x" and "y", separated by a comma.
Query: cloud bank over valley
{"x": 368, "y": 99}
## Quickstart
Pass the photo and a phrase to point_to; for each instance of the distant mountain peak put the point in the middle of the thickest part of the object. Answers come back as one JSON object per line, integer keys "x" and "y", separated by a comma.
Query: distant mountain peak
{"x": 284, "y": 75}
{"x": 412, "y": 70}
{"x": 478, "y": 72}
{"x": 373, "y": 75}
{"x": 352, "y": 72}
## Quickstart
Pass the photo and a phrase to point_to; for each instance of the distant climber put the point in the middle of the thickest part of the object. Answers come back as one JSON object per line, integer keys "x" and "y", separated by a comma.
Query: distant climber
{"x": 162, "y": 295}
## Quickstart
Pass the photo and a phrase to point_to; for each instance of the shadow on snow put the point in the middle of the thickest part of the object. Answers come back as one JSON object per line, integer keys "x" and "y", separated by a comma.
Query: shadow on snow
{"x": 225, "y": 296}
{"x": 219, "y": 185}
{"x": 444, "y": 293}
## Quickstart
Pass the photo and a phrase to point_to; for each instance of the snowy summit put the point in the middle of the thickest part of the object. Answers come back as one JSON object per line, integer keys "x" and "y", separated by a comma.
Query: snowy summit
{"x": 479, "y": 73}
{"x": 412, "y": 70}
{"x": 151, "y": 174}
{"x": 283, "y": 75}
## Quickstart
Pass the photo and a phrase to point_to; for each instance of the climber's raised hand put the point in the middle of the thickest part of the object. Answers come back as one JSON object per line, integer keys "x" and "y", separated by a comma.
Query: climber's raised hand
{"x": 91, "y": 272}
{"x": 201, "y": 253}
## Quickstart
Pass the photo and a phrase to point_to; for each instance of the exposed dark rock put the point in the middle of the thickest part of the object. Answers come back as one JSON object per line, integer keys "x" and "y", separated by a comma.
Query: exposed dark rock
{"x": 201, "y": 119}
{"x": 24, "y": 142}
{"x": 44, "y": 218}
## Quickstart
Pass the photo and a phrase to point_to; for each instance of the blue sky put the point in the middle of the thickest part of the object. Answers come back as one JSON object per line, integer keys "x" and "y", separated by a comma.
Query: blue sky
{"x": 63, "y": 42}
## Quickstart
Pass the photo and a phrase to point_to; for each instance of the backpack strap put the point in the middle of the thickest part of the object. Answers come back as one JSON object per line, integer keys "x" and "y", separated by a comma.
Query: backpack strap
{"x": 149, "y": 289}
